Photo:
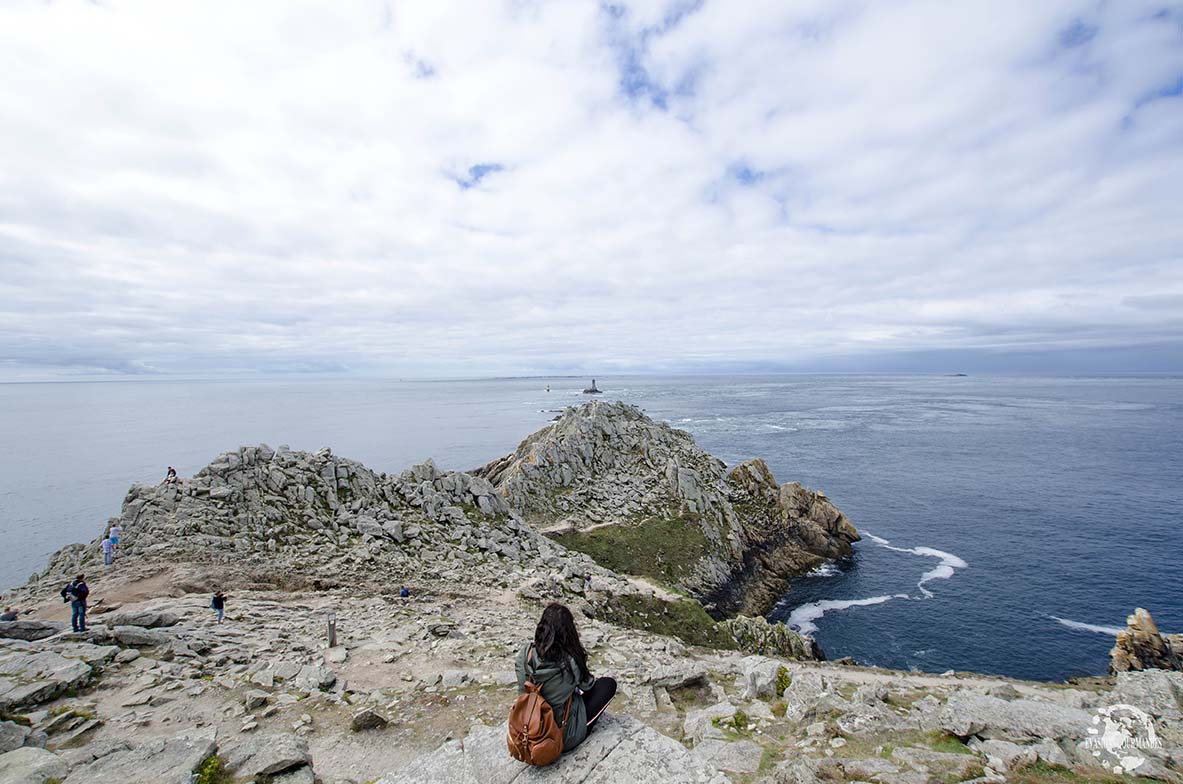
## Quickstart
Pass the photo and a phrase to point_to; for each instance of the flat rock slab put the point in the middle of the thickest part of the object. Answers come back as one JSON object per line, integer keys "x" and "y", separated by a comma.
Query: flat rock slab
{"x": 150, "y": 619}
{"x": 30, "y": 678}
{"x": 739, "y": 757}
{"x": 31, "y": 766}
{"x": 266, "y": 755}
{"x": 30, "y": 629}
{"x": 139, "y": 637}
{"x": 621, "y": 750}
{"x": 160, "y": 761}
{"x": 1019, "y": 721}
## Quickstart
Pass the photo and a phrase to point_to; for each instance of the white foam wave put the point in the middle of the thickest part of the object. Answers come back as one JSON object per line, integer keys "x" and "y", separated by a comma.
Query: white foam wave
{"x": 827, "y": 569}
{"x": 805, "y": 615}
{"x": 1088, "y": 627}
{"x": 948, "y": 566}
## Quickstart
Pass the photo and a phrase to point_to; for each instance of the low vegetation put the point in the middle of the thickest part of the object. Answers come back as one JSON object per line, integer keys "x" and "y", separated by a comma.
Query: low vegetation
{"x": 1043, "y": 773}
{"x": 211, "y": 772}
{"x": 666, "y": 549}
{"x": 684, "y": 619}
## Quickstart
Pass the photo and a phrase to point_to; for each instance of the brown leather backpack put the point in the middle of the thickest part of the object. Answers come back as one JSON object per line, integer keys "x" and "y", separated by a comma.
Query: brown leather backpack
{"x": 534, "y": 737}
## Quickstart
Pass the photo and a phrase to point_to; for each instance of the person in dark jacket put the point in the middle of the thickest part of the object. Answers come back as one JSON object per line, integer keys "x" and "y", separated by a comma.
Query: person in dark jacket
{"x": 218, "y": 604}
{"x": 75, "y": 593}
{"x": 557, "y": 663}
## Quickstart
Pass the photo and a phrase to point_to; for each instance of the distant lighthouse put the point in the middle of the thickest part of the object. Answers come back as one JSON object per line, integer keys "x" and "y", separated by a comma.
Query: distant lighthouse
{"x": 593, "y": 389}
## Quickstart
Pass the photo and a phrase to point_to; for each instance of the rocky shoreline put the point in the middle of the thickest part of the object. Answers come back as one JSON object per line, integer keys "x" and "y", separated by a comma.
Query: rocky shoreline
{"x": 683, "y": 558}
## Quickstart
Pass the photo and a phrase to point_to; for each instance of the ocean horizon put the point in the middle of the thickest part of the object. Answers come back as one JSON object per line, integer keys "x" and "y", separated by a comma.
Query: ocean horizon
{"x": 1009, "y": 523}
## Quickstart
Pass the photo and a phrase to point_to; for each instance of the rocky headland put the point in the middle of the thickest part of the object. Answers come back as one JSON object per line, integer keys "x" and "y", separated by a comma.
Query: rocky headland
{"x": 321, "y": 672}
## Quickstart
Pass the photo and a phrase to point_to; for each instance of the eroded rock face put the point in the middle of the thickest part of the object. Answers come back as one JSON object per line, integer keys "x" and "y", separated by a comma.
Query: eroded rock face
{"x": 1142, "y": 647}
{"x": 608, "y": 464}
{"x": 757, "y": 635}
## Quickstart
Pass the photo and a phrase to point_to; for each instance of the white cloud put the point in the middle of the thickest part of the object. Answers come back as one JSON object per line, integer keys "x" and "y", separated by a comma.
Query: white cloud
{"x": 197, "y": 186}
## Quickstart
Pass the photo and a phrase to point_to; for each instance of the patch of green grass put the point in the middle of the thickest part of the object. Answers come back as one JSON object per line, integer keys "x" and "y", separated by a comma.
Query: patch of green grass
{"x": 666, "y": 549}
{"x": 684, "y": 619}
{"x": 1043, "y": 773}
{"x": 949, "y": 744}
{"x": 211, "y": 771}
{"x": 972, "y": 772}
{"x": 783, "y": 681}
{"x": 738, "y": 722}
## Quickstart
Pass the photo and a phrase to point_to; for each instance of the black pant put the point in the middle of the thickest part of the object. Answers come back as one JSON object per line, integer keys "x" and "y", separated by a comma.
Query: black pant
{"x": 595, "y": 698}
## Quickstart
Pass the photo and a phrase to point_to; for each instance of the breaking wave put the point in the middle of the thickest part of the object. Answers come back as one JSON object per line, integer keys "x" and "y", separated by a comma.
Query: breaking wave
{"x": 827, "y": 569}
{"x": 948, "y": 566}
{"x": 804, "y": 616}
{"x": 1088, "y": 627}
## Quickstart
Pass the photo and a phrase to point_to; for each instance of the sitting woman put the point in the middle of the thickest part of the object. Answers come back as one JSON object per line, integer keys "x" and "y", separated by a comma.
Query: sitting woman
{"x": 557, "y": 663}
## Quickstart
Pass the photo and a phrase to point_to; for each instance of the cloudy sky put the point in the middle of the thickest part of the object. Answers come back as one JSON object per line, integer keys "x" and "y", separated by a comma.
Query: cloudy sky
{"x": 428, "y": 188}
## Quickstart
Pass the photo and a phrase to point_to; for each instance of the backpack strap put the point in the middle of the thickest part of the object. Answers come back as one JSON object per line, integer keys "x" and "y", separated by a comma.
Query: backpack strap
{"x": 567, "y": 712}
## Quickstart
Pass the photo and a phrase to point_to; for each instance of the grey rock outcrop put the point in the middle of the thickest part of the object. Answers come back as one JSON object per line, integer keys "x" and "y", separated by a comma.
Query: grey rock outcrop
{"x": 607, "y": 463}
{"x": 757, "y": 635}
{"x": 1157, "y": 692}
{"x": 1141, "y": 647}
{"x": 31, "y": 766}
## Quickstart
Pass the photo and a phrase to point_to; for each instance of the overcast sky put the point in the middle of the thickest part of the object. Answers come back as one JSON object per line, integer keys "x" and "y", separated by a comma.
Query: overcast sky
{"x": 479, "y": 188}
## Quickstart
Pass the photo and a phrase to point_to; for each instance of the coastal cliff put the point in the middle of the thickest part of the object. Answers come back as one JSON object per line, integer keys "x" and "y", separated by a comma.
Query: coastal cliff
{"x": 323, "y": 673}
{"x": 642, "y": 498}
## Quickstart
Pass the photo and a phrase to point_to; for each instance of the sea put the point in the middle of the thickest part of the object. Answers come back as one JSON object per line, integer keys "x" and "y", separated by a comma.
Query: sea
{"x": 1009, "y": 523}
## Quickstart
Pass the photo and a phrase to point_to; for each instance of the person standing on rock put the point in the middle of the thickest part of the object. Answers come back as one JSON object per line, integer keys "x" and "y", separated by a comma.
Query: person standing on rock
{"x": 218, "y": 604}
{"x": 557, "y": 662}
{"x": 108, "y": 548}
{"x": 115, "y": 534}
{"x": 75, "y": 593}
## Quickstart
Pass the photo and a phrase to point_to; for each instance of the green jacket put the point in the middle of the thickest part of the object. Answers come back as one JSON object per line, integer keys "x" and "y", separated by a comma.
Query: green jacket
{"x": 558, "y": 684}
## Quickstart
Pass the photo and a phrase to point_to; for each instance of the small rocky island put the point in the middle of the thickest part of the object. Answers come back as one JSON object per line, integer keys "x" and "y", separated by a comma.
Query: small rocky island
{"x": 322, "y": 672}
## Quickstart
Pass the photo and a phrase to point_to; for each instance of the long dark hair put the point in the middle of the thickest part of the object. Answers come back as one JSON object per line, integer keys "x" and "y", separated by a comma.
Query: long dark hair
{"x": 556, "y": 638}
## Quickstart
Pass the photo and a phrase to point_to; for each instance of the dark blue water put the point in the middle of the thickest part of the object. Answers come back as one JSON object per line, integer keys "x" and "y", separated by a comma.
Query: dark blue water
{"x": 1061, "y": 496}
